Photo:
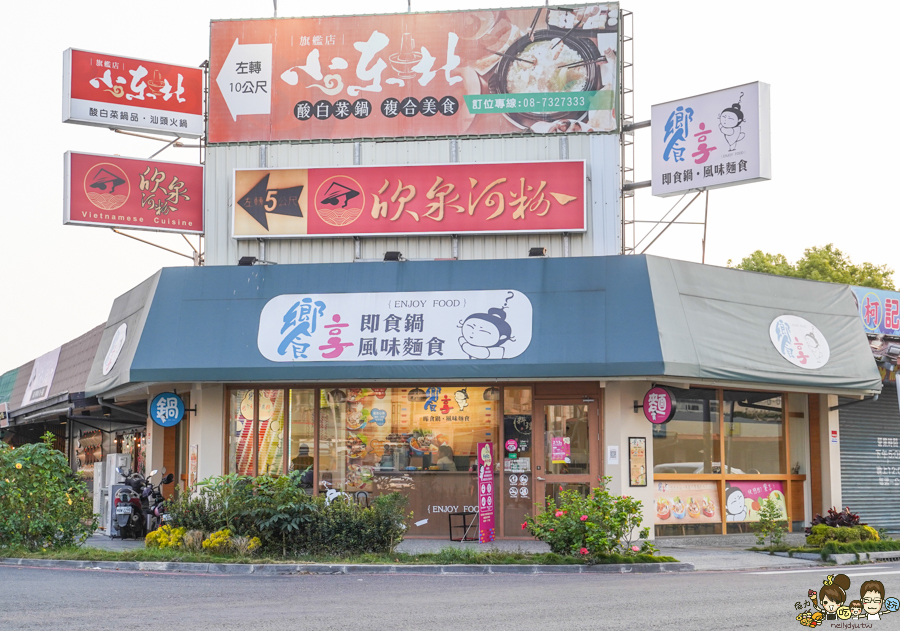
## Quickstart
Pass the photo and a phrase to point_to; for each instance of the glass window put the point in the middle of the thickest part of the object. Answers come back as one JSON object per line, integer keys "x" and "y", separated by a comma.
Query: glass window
{"x": 240, "y": 433}
{"x": 518, "y": 488}
{"x": 271, "y": 432}
{"x": 421, "y": 441}
{"x": 689, "y": 443}
{"x": 302, "y": 435}
{"x": 566, "y": 448}
{"x": 754, "y": 432}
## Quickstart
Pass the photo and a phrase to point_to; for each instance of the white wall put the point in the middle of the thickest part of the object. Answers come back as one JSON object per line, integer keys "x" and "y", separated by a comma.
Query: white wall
{"x": 601, "y": 153}
{"x": 831, "y": 454}
{"x": 208, "y": 428}
{"x": 620, "y": 424}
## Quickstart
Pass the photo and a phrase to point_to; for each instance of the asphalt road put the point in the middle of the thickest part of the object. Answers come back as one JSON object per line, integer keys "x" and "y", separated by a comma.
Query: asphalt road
{"x": 33, "y": 598}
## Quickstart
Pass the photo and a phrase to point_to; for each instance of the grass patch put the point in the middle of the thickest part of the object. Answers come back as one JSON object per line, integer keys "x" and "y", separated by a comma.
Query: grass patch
{"x": 447, "y": 556}
{"x": 885, "y": 545}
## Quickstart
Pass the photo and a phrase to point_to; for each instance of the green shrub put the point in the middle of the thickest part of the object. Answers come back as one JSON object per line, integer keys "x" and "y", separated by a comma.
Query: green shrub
{"x": 42, "y": 504}
{"x": 822, "y": 534}
{"x": 289, "y": 522}
{"x": 884, "y": 545}
{"x": 599, "y": 525}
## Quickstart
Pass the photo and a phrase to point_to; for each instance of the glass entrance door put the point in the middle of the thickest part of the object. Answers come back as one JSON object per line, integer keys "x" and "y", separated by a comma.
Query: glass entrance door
{"x": 567, "y": 446}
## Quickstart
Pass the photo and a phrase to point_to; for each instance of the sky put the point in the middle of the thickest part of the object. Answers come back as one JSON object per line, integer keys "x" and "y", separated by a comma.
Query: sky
{"x": 830, "y": 175}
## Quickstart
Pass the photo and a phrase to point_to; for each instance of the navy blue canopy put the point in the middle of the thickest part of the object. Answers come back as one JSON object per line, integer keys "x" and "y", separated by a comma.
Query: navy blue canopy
{"x": 594, "y": 317}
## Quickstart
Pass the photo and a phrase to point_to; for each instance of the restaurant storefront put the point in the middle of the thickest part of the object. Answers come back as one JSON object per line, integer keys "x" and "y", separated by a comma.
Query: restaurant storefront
{"x": 379, "y": 377}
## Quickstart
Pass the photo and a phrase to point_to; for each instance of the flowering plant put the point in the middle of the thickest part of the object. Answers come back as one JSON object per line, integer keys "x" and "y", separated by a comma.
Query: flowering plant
{"x": 42, "y": 504}
{"x": 590, "y": 527}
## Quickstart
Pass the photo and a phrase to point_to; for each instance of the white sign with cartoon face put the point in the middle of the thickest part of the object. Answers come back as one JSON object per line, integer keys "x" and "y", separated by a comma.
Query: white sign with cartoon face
{"x": 711, "y": 140}
{"x": 395, "y": 326}
{"x": 799, "y": 342}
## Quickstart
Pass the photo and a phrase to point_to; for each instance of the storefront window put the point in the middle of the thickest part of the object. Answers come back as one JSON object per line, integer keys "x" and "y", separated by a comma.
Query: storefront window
{"x": 518, "y": 487}
{"x": 420, "y": 441}
{"x": 240, "y": 433}
{"x": 302, "y": 435}
{"x": 754, "y": 432}
{"x": 566, "y": 449}
{"x": 689, "y": 443}
{"x": 271, "y": 432}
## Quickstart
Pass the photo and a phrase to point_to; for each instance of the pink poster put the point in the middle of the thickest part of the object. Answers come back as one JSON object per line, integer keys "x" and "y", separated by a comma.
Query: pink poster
{"x": 743, "y": 498}
{"x": 486, "y": 530}
{"x": 560, "y": 449}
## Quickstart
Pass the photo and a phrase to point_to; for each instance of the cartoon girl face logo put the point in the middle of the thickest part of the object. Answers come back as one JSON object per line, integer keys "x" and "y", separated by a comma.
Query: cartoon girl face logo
{"x": 462, "y": 399}
{"x": 482, "y": 335}
{"x": 730, "y": 121}
{"x": 735, "y": 505}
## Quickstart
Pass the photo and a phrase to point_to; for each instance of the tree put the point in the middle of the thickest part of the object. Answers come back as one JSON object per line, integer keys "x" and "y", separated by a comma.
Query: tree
{"x": 826, "y": 264}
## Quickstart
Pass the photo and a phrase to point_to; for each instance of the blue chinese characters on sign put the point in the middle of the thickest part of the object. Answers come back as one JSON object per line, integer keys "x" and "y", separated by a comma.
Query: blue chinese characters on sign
{"x": 676, "y": 132}
{"x": 167, "y": 409}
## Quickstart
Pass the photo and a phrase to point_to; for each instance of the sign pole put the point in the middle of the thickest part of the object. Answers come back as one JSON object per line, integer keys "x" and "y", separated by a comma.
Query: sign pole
{"x": 705, "y": 215}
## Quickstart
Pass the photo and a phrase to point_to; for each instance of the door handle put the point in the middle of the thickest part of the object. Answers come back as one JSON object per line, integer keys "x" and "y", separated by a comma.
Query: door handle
{"x": 541, "y": 479}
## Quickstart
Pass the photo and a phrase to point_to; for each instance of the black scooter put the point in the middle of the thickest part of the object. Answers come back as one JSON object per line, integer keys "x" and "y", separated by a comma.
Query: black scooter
{"x": 140, "y": 507}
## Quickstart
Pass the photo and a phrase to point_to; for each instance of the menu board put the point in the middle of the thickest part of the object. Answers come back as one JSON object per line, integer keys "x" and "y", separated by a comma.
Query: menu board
{"x": 486, "y": 530}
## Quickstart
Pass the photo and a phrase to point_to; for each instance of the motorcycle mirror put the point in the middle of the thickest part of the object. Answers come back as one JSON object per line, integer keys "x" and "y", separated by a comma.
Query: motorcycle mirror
{"x": 119, "y": 470}
{"x": 168, "y": 479}
{"x": 153, "y": 473}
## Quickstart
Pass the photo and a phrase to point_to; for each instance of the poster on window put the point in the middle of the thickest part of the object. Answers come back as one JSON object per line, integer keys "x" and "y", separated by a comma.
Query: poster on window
{"x": 509, "y": 197}
{"x": 135, "y": 94}
{"x": 686, "y": 503}
{"x": 395, "y": 326}
{"x": 536, "y": 70}
{"x": 637, "y": 461}
{"x": 744, "y": 498}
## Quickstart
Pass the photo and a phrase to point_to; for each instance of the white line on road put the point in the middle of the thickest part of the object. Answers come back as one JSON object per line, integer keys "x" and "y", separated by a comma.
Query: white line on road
{"x": 821, "y": 569}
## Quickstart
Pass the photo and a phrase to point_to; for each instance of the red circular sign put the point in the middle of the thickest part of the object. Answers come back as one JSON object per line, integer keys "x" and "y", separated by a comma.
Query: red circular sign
{"x": 659, "y": 405}
{"x": 106, "y": 186}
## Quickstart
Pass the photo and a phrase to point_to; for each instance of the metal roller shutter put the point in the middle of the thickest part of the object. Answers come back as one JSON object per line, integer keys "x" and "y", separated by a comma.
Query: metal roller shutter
{"x": 870, "y": 459}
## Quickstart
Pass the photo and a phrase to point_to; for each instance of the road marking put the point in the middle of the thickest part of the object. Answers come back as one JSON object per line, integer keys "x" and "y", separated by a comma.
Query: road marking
{"x": 821, "y": 569}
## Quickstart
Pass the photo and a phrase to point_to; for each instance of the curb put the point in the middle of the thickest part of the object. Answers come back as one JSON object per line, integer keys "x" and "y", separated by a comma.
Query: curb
{"x": 845, "y": 558}
{"x": 281, "y": 569}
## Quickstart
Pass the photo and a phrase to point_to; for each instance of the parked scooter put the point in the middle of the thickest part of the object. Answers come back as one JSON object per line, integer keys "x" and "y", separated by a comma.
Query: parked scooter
{"x": 140, "y": 507}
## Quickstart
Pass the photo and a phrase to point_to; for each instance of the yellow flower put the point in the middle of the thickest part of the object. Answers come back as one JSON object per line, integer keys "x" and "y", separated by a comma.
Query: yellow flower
{"x": 70, "y": 502}
{"x": 18, "y": 465}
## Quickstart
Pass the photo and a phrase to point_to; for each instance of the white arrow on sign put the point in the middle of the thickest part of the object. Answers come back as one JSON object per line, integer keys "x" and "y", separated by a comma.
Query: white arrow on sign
{"x": 246, "y": 79}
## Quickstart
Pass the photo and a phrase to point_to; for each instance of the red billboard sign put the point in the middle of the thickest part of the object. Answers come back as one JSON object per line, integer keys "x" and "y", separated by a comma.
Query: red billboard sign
{"x": 511, "y": 197}
{"x": 537, "y": 70}
{"x": 114, "y": 192}
{"x": 136, "y": 94}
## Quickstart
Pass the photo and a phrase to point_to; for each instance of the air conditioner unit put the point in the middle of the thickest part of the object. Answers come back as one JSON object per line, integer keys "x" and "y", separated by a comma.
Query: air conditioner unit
{"x": 99, "y": 485}
{"x": 122, "y": 461}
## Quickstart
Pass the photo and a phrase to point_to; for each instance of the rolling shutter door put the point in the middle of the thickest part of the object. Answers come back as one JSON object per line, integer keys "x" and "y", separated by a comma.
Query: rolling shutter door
{"x": 870, "y": 459}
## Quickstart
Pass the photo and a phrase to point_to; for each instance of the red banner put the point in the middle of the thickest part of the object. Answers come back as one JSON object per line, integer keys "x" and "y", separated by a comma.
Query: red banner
{"x": 114, "y": 192}
{"x": 537, "y": 70}
{"x": 424, "y": 199}
{"x": 124, "y": 93}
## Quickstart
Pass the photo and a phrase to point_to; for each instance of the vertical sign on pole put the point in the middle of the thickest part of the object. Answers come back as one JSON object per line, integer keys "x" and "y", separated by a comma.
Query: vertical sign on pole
{"x": 486, "y": 529}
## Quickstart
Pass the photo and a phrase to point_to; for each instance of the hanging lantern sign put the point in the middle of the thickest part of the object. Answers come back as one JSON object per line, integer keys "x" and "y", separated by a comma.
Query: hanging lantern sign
{"x": 659, "y": 405}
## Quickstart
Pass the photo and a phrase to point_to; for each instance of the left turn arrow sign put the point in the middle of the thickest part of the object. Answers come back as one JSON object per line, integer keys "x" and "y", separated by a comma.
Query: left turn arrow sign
{"x": 245, "y": 79}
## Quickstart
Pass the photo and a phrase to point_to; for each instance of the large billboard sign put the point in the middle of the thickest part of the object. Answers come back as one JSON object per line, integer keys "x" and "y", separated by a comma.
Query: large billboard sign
{"x": 879, "y": 310}
{"x": 422, "y": 199}
{"x": 134, "y": 94}
{"x": 513, "y": 71}
{"x": 114, "y": 192}
{"x": 711, "y": 140}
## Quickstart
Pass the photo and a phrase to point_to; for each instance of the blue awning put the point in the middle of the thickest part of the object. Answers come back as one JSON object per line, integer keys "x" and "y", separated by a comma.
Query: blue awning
{"x": 596, "y": 317}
